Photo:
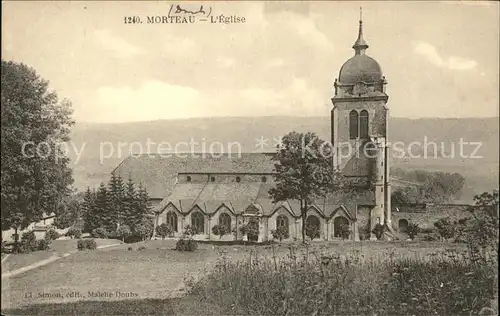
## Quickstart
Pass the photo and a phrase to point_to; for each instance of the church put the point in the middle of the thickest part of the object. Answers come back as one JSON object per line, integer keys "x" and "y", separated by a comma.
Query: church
{"x": 232, "y": 190}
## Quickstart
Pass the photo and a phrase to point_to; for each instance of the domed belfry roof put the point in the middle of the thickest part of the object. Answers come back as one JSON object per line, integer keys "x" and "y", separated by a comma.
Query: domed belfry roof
{"x": 360, "y": 68}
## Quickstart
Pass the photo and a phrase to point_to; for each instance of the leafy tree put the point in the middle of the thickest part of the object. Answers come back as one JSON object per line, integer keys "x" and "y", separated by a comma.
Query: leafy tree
{"x": 304, "y": 171}
{"x": 144, "y": 229}
{"x": 378, "y": 230}
{"x": 71, "y": 211}
{"x": 280, "y": 233}
{"x": 123, "y": 231}
{"x": 28, "y": 242}
{"x": 220, "y": 230}
{"x": 33, "y": 181}
{"x": 164, "y": 230}
{"x": 483, "y": 234}
{"x": 412, "y": 230}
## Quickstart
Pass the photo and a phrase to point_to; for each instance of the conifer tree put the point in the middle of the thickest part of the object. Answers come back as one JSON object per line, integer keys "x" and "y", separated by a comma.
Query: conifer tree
{"x": 88, "y": 210}
{"x": 116, "y": 197}
{"x": 130, "y": 203}
{"x": 102, "y": 210}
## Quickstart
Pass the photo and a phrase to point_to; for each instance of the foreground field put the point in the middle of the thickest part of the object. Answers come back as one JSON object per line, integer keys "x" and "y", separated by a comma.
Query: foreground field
{"x": 119, "y": 281}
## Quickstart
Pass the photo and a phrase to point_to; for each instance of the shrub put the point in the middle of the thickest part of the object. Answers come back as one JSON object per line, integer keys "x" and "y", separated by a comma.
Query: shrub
{"x": 251, "y": 230}
{"x": 445, "y": 228}
{"x": 123, "y": 231}
{"x": 43, "y": 244}
{"x": 186, "y": 245}
{"x": 28, "y": 242}
{"x": 141, "y": 248}
{"x": 280, "y": 233}
{"x": 129, "y": 249}
{"x": 51, "y": 234}
{"x": 164, "y": 230}
{"x": 100, "y": 232}
{"x": 144, "y": 229}
{"x": 74, "y": 232}
{"x": 220, "y": 230}
{"x": 378, "y": 230}
{"x": 83, "y": 244}
{"x": 412, "y": 230}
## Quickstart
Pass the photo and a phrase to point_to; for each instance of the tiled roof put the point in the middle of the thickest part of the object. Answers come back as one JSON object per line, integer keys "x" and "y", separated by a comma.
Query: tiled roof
{"x": 158, "y": 172}
{"x": 209, "y": 197}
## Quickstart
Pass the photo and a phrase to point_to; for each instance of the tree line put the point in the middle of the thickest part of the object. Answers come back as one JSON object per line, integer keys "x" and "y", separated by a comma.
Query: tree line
{"x": 117, "y": 205}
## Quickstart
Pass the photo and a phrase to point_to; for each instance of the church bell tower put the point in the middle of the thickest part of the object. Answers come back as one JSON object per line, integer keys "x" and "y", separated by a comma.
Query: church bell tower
{"x": 359, "y": 122}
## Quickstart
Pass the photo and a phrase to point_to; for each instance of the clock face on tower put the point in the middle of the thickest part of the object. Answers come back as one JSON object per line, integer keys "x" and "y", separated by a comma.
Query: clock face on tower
{"x": 359, "y": 89}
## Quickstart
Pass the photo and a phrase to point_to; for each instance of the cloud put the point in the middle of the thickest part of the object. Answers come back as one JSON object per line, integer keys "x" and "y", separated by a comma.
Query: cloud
{"x": 453, "y": 62}
{"x": 225, "y": 62}
{"x": 178, "y": 46}
{"x": 117, "y": 45}
{"x": 152, "y": 100}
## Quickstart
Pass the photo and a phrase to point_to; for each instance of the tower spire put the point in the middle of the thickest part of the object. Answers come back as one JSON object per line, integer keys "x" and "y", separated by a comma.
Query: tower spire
{"x": 360, "y": 45}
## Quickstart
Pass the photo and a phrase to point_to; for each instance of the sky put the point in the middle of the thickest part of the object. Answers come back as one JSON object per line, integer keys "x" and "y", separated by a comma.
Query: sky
{"x": 440, "y": 59}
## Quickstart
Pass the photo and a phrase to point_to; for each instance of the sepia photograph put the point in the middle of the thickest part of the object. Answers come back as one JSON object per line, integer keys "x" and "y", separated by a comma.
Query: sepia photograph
{"x": 250, "y": 158}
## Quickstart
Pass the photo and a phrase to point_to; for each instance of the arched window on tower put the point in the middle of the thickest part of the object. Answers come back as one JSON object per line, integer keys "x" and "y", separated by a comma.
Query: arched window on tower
{"x": 353, "y": 124}
{"x": 363, "y": 124}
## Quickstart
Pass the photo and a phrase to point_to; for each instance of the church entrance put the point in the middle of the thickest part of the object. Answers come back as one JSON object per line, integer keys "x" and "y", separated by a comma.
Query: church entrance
{"x": 313, "y": 226}
{"x": 340, "y": 227}
{"x": 403, "y": 225}
{"x": 253, "y": 230}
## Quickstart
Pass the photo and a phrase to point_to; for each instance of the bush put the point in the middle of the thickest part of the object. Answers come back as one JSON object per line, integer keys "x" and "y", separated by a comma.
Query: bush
{"x": 28, "y": 242}
{"x": 43, "y": 244}
{"x": 144, "y": 229}
{"x": 412, "y": 230}
{"x": 445, "y": 228}
{"x": 141, "y": 248}
{"x": 123, "y": 231}
{"x": 100, "y": 232}
{"x": 164, "y": 231}
{"x": 129, "y": 249}
{"x": 83, "y": 244}
{"x": 186, "y": 245}
{"x": 378, "y": 230}
{"x": 280, "y": 233}
{"x": 220, "y": 230}
{"x": 74, "y": 233}
{"x": 51, "y": 234}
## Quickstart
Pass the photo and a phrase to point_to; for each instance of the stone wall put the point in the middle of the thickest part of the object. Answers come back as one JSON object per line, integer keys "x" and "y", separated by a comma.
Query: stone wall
{"x": 426, "y": 216}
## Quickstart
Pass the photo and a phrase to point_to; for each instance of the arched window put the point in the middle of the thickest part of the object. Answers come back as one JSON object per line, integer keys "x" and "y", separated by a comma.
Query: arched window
{"x": 403, "y": 225}
{"x": 353, "y": 124}
{"x": 340, "y": 223}
{"x": 198, "y": 222}
{"x": 225, "y": 220}
{"x": 188, "y": 178}
{"x": 282, "y": 221}
{"x": 363, "y": 124}
{"x": 172, "y": 220}
{"x": 313, "y": 226}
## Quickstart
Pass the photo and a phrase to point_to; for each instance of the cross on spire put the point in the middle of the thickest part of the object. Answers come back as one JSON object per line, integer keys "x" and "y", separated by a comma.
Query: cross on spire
{"x": 360, "y": 45}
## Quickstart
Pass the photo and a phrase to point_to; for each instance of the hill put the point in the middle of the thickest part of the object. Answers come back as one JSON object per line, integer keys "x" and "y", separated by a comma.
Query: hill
{"x": 105, "y": 145}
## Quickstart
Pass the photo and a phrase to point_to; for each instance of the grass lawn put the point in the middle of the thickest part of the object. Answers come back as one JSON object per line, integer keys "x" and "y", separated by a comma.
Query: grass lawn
{"x": 149, "y": 280}
{"x": 57, "y": 248}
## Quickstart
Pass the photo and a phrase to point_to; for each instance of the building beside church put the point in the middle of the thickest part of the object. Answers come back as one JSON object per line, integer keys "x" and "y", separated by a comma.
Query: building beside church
{"x": 232, "y": 190}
